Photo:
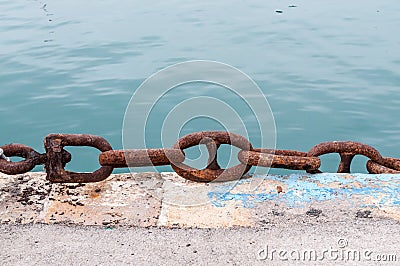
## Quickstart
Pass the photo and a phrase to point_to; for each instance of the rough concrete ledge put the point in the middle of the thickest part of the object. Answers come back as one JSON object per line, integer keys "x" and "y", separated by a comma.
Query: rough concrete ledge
{"x": 165, "y": 199}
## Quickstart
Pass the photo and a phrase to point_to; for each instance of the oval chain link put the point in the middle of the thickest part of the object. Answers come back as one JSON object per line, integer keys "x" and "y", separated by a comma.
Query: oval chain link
{"x": 56, "y": 157}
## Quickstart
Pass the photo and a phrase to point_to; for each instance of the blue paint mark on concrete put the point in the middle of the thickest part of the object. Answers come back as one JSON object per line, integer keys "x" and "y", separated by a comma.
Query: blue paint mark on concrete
{"x": 303, "y": 189}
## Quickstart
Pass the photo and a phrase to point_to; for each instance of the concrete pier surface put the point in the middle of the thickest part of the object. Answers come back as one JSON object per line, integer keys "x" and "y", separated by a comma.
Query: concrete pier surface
{"x": 165, "y": 199}
{"x": 161, "y": 218}
{"x": 359, "y": 242}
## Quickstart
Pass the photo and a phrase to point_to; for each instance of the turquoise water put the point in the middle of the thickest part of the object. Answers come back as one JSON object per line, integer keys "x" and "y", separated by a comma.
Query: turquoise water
{"x": 330, "y": 70}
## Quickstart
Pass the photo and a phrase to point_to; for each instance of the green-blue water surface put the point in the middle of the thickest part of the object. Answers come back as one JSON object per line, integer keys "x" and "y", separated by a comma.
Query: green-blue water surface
{"x": 330, "y": 69}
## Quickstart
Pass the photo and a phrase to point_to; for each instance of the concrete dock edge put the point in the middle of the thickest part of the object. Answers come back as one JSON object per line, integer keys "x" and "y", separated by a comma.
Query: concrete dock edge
{"x": 167, "y": 200}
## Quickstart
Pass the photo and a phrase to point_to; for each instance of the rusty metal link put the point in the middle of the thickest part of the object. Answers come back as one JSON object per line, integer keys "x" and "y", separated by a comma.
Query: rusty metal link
{"x": 54, "y": 145}
{"x": 2, "y": 156}
{"x": 141, "y": 157}
{"x": 212, "y": 140}
{"x": 56, "y": 157}
{"x": 287, "y": 159}
{"x": 32, "y": 159}
{"x": 19, "y": 150}
{"x": 388, "y": 166}
{"x": 347, "y": 150}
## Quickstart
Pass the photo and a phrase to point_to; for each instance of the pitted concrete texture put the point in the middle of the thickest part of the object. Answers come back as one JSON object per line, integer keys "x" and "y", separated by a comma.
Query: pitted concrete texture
{"x": 167, "y": 200}
{"x": 360, "y": 242}
{"x": 105, "y": 203}
{"x": 22, "y": 197}
{"x": 29, "y": 198}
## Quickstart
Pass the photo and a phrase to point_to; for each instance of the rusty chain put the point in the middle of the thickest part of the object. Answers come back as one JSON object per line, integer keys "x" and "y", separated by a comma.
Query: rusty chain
{"x": 56, "y": 157}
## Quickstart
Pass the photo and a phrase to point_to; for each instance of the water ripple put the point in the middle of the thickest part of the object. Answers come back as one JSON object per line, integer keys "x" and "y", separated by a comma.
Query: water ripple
{"x": 328, "y": 72}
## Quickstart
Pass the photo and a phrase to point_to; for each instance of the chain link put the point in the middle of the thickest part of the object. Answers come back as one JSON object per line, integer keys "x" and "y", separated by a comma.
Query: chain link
{"x": 2, "y": 156}
{"x": 286, "y": 159}
{"x": 56, "y": 157}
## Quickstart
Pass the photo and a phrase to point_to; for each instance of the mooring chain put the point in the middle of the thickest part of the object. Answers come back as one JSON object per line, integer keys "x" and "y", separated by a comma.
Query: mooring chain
{"x": 2, "y": 156}
{"x": 56, "y": 157}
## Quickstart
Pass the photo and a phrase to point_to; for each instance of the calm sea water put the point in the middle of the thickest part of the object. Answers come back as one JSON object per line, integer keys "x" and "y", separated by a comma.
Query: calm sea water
{"x": 330, "y": 70}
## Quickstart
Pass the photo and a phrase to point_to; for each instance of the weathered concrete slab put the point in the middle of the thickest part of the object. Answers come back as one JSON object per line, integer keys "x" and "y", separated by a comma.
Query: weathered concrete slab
{"x": 152, "y": 199}
{"x": 22, "y": 197}
{"x": 119, "y": 201}
{"x": 187, "y": 204}
{"x": 315, "y": 198}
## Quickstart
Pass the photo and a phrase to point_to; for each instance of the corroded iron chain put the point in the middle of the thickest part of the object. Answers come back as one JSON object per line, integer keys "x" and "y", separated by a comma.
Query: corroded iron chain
{"x": 56, "y": 157}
